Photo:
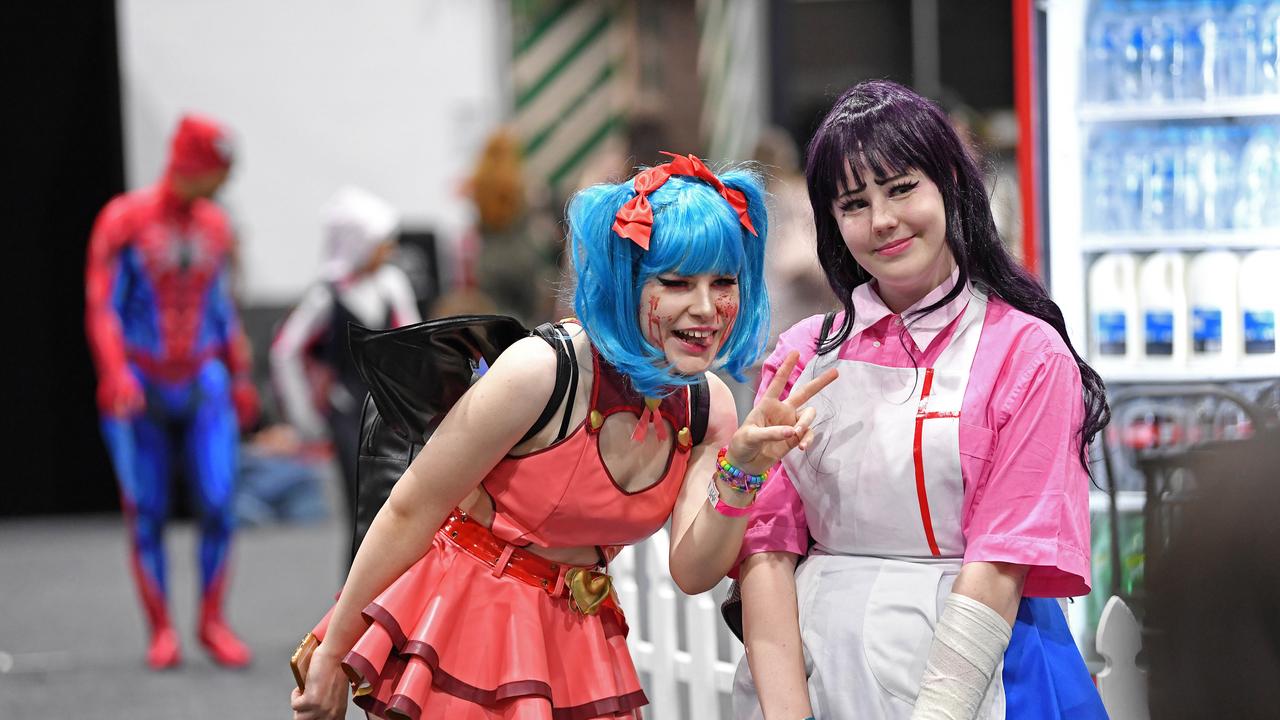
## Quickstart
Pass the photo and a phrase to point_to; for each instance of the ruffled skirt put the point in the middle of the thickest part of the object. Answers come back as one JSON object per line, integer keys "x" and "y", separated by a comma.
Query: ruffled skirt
{"x": 450, "y": 639}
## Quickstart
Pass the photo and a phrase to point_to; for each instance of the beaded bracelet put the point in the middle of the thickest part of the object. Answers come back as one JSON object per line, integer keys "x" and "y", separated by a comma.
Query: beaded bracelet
{"x": 735, "y": 477}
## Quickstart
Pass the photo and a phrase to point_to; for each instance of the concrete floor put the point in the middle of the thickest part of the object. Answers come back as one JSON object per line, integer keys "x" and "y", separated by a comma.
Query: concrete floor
{"x": 72, "y": 637}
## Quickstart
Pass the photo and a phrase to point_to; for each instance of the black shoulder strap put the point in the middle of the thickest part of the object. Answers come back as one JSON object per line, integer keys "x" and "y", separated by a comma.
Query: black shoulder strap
{"x": 569, "y": 356}
{"x": 566, "y": 378}
{"x": 827, "y": 321}
{"x": 699, "y": 409}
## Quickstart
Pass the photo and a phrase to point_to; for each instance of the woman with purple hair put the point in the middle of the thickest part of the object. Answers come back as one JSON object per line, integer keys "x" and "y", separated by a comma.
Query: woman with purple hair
{"x": 943, "y": 506}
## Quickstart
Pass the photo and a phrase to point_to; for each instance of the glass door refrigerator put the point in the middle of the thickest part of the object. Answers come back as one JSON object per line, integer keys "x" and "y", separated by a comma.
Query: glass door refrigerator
{"x": 1162, "y": 159}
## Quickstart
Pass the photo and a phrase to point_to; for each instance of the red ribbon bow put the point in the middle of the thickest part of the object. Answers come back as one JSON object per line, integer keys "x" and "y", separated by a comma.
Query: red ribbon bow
{"x": 634, "y": 220}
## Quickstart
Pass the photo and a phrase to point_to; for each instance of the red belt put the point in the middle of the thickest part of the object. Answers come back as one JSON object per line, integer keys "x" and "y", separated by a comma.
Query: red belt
{"x": 586, "y": 589}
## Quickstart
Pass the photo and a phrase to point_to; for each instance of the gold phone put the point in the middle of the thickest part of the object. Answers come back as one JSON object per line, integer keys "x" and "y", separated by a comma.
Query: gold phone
{"x": 301, "y": 660}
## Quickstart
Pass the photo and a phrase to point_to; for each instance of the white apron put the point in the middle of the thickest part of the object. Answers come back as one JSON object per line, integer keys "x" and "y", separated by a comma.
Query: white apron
{"x": 883, "y": 495}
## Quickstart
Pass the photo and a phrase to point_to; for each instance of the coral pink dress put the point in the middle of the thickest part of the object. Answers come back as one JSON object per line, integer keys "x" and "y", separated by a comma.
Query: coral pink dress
{"x": 458, "y": 637}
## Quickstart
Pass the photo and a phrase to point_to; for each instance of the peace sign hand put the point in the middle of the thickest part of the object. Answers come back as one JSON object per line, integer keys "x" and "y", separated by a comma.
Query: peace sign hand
{"x": 774, "y": 427}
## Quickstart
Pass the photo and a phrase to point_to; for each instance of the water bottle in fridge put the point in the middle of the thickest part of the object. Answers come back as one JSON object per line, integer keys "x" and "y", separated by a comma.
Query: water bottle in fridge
{"x": 1269, "y": 49}
{"x": 1128, "y": 84}
{"x": 1102, "y": 182}
{"x": 1190, "y": 204}
{"x": 1133, "y": 176}
{"x": 1199, "y": 50}
{"x": 1102, "y": 57}
{"x": 1254, "y": 184}
{"x": 1159, "y": 44}
{"x": 1217, "y": 176}
{"x": 1242, "y": 48}
{"x": 1271, "y": 208}
{"x": 1158, "y": 186}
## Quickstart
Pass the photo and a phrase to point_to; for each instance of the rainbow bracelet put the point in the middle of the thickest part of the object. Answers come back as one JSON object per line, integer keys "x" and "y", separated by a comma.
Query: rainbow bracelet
{"x": 735, "y": 477}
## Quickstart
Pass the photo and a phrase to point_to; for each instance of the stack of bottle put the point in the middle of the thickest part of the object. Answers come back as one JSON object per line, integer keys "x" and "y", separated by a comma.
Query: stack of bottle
{"x": 1141, "y": 51}
{"x": 1183, "y": 177}
{"x": 1215, "y": 309}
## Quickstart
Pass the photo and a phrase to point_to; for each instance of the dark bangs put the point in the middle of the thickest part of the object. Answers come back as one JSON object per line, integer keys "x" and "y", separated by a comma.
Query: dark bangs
{"x": 886, "y": 136}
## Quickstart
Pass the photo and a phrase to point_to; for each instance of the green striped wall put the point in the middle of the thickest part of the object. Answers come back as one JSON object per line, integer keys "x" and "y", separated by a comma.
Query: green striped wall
{"x": 566, "y": 78}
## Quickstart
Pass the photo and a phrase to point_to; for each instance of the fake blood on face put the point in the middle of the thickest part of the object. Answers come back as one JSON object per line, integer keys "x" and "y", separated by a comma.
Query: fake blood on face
{"x": 726, "y": 314}
{"x": 655, "y": 322}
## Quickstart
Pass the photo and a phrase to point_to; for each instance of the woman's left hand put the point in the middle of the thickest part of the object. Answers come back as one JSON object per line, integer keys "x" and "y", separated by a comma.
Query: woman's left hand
{"x": 774, "y": 427}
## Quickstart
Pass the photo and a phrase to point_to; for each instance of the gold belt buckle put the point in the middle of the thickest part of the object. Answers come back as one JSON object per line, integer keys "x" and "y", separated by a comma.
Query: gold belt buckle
{"x": 588, "y": 589}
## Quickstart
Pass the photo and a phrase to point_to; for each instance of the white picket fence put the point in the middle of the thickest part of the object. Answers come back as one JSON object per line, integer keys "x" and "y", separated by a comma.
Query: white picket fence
{"x": 1122, "y": 684}
{"x": 685, "y": 654}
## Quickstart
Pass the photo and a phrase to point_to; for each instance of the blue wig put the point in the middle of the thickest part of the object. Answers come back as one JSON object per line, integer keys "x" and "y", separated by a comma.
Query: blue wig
{"x": 695, "y": 231}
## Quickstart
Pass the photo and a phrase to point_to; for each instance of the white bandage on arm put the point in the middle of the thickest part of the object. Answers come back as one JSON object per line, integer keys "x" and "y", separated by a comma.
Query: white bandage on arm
{"x": 967, "y": 648}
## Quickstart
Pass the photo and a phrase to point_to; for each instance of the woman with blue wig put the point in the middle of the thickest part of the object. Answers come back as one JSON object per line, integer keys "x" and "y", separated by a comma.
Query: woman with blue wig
{"x": 481, "y": 588}
{"x": 943, "y": 507}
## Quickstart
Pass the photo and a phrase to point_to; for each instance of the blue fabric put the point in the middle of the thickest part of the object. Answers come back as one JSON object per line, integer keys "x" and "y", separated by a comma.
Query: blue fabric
{"x": 278, "y": 489}
{"x": 202, "y": 411}
{"x": 1044, "y": 675}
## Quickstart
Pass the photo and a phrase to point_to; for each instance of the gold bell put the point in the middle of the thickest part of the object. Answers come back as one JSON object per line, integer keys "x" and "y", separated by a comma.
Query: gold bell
{"x": 596, "y": 419}
{"x": 684, "y": 438}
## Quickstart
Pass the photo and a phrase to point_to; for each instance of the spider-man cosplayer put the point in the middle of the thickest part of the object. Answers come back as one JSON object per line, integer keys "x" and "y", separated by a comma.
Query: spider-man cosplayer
{"x": 173, "y": 371}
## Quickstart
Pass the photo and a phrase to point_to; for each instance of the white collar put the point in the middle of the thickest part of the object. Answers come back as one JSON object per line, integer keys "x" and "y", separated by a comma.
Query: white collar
{"x": 869, "y": 309}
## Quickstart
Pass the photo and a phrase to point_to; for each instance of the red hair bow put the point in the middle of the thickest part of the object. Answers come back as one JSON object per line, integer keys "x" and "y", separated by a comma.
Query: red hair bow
{"x": 634, "y": 220}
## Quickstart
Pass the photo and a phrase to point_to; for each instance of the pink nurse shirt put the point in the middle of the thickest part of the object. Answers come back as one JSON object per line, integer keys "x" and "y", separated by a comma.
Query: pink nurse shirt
{"x": 1026, "y": 496}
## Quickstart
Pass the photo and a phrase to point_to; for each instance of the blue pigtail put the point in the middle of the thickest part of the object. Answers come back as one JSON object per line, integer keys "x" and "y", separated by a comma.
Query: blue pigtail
{"x": 695, "y": 231}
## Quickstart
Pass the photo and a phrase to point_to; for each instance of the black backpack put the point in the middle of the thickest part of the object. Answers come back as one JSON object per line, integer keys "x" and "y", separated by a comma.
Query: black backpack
{"x": 415, "y": 375}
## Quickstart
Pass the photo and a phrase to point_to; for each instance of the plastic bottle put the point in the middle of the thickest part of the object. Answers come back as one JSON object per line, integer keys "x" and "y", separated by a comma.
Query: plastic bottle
{"x": 1269, "y": 49}
{"x": 1254, "y": 183}
{"x": 1271, "y": 209}
{"x": 1113, "y": 311}
{"x": 1156, "y": 39}
{"x": 1260, "y": 307}
{"x": 1133, "y": 178}
{"x": 1213, "y": 295}
{"x": 1102, "y": 54}
{"x": 1129, "y": 85}
{"x": 1217, "y": 176}
{"x": 1158, "y": 186}
{"x": 1190, "y": 209}
{"x": 1200, "y": 50}
{"x": 1228, "y": 37}
{"x": 1162, "y": 300}
{"x": 1242, "y": 47}
{"x": 1102, "y": 182}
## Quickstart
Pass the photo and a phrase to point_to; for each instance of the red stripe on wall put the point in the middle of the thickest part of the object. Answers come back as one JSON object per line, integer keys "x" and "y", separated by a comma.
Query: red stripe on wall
{"x": 1024, "y": 101}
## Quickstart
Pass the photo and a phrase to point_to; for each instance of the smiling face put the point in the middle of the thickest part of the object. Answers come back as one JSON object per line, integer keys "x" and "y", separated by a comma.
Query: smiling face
{"x": 688, "y": 317}
{"x": 896, "y": 229}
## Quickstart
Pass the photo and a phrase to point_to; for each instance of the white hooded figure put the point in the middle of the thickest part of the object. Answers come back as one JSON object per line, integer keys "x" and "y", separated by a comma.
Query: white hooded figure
{"x": 311, "y": 366}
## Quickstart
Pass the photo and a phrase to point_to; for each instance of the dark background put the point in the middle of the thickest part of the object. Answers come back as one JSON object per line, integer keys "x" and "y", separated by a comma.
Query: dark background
{"x": 65, "y": 158}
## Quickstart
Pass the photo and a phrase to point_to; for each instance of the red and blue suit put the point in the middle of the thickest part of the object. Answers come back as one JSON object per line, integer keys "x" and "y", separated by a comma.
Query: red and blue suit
{"x": 173, "y": 373}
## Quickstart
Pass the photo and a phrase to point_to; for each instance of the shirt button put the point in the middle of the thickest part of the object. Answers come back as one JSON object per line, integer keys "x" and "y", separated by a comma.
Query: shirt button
{"x": 876, "y": 343}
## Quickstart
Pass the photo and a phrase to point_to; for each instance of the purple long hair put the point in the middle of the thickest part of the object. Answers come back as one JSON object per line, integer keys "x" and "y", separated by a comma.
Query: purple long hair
{"x": 884, "y": 128}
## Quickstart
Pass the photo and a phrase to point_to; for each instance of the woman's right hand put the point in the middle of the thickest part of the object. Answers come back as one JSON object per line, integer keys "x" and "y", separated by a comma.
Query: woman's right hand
{"x": 327, "y": 690}
{"x": 774, "y": 427}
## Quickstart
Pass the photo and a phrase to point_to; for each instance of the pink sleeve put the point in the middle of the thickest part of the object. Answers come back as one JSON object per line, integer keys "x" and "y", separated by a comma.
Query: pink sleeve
{"x": 1033, "y": 508}
{"x": 777, "y": 517}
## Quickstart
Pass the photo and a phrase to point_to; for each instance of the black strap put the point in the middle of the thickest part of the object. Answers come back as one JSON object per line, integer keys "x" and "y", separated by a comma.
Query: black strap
{"x": 567, "y": 341}
{"x": 699, "y": 409}
{"x": 827, "y": 321}
{"x": 565, "y": 366}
